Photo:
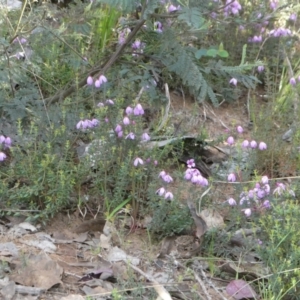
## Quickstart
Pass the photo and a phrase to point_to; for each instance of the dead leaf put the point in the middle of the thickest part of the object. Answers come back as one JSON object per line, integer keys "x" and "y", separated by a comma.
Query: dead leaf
{"x": 117, "y": 254}
{"x": 91, "y": 225}
{"x": 201, "y": 226}
{"x": 27, "y": 226}
{"x": 240, "y": 289}
{"x": 47, "y": 246}
{"x": 7, "y": 249}
{"x": 72, "y": 297}
{"x": 166, "y": 246}
{"x": 212, "y": 218}
{"x": 41, "y": 271}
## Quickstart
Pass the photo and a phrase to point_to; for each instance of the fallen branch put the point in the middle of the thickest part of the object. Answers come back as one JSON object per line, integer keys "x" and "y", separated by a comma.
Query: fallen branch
{"x": 62, "y": 94}
{"x": 161, "y": 291}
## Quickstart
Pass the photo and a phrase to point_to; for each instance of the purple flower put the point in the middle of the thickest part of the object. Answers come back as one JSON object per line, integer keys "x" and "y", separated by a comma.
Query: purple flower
{"x": 253, "y": 144}
{"x": 82, "y": 124}
{"x": 169, "y": 195}
{"x": 138, "y": 161}
{"x": 245, "y": 144}
{"x": 231, "y": 202}
{"x": 293, "y": 17}
{"x": 240, "y": 129}
{"x": 2, "y": 156}
{"x": 172, "y": 8}
{"x": 233, "y": 81}
{"x": 247, "y": 212}
{"x": 190, "y": 163}
{"x": 273, "y": 4}
{"x": 261, "y": 193}
{"x": 136, "y": 45}
{"x": 120, "y": 134}
{"x": 138, "y": 110}
{"x": 267, "y": 188}
{"x": 262, "y": 146}
{"x": 231, "y": 177}
{"x": 90, "y": 80}
{"x": 260, "y": 69}
{"x": 265, "y": 179}
{"x": 162, "y": 174}
{"x": 7, "y": 142}
{"x": 130, "y": 136}
{"x": 102, "y": 79}
{"x": 280, "y": 189}
{"x": 118, "y": 128}
{"x": 167, "y": 178}
{"x": 155, "y": 163}
{"x": 161, "y": 191}
{"x": 230, "y": 141}
{"x": 2, "y": 139}
{"x": 100, "y": 104}
{"x": 95, "y": 122}
{"x": 251, "y": 194}
{"x": 129, "y": 110}
{"x": 145, "y": 137}
{"x": 293, "y": 81}
{"x": 126, "y": 121}
{"x": 158, "y": 27}
{"x": 109, "y": 102}
{"x": 197, "y": 179}
{"x": 20, "y": 40}
{"x": 267, "y": 204}
{"x": 97, "y": 84}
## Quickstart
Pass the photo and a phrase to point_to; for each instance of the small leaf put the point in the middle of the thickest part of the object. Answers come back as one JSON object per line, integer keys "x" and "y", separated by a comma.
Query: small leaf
{"x": 240, "y": 289}
{"x": 223, "y": 53}
{"x": 212, "y": 52}
{"x": 221, "y": 47}
{"x": 200, "y": 53}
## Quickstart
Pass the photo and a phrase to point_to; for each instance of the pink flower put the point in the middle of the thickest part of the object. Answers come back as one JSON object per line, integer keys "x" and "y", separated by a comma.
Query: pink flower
{"x": 126, "y": 121}
{"x": 293, "y": 81}
{"x": 162, "y": 174}
{"x": 109, "y": 102}
{"x": 138, "y": 110}
{"x": 120, "y": 134}
{"x": 82, "y": 124}
{"x": 262, "y": 146}
{"x": 231, "y": 202}
{"x": 100, "y": 104}
{"x": 90, "y": 80}
{"x": 118, "y": 128}
{"x": 2, "y": 156}
{"x": 97, "y": 83}
{"x": 169, "y": 195}
{"x": 260, "y": 69}
{"x": 130, "y": 136}
{"x": 265, "y": 179}
{"x": 266, "y": 204}
{"x": 161, "y": 191}
{"x": 253, "y": 144}
{"x": 240, "y": 129}
{"x": 138, "y": 161}
{"x": 245, "y": 144}
{"x": 231, "y": 177}
{"x": 145, "y": 137}
{"x": 233, "y": 81}
{"x": 247, "y": 212}
{"x": 95, "y": 122}
{"x": 190, "y": 163}
{"x": 102, "y": 79}
{"x": 167, "y": 178}
{"x": 128, "y": 110}
{"x": 230, "y": 140}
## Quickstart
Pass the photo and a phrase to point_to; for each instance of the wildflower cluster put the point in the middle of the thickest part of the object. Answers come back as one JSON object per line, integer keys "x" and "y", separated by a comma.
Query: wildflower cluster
{"x": 246, "y": 144}
{"x": 5, "y": 143}
{"x": 166, "y": 178}
{"x": 232, "y": 7}
{"x": 193, "y": 175}
{"x": 98, "y": 82}
{"x": 257, "y": 199}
